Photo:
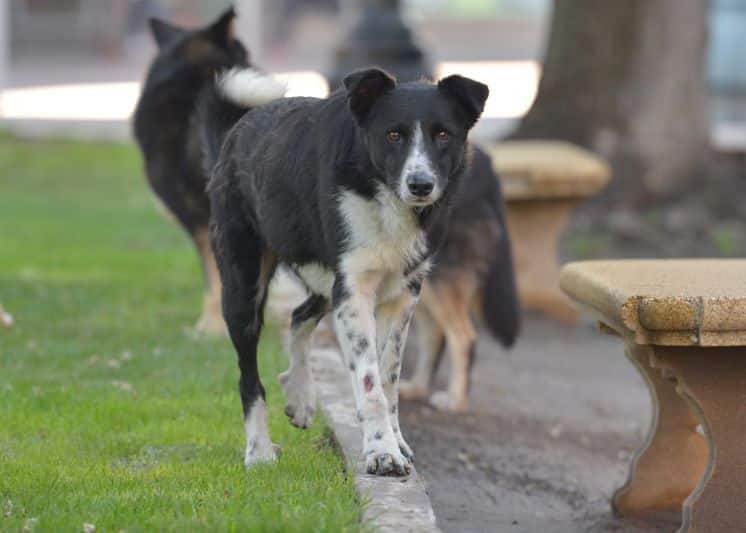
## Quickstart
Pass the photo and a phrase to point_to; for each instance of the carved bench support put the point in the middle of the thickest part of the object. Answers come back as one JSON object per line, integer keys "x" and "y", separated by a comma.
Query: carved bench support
{"x": 535, "y": 228}
{"x": 673, "y": 458}
{"x": 713, "y": 381}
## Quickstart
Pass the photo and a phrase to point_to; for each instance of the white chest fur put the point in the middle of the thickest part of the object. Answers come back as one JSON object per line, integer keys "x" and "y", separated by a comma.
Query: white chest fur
{"x": 383, "y": 240}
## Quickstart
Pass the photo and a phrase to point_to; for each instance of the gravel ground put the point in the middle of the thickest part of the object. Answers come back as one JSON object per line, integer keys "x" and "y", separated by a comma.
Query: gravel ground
{"x": 553, "y": 426}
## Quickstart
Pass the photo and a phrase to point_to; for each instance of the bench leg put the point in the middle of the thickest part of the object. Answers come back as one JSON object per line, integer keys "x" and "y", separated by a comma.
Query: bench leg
{"x": 672, "y": 460}
{"x": 535, "y": 227}
{"x": 713, "y": 380}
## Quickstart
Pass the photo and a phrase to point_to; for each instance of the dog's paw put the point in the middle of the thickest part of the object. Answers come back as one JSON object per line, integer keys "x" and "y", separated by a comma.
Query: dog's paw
{"x": 301, "y": 397}
{"x": 260, "y": 453}
{"x": 301, "y": 416}
{"x": 409, "y": 390}
{"x": 443, "y": 401}
{"x": 387, "y": 464}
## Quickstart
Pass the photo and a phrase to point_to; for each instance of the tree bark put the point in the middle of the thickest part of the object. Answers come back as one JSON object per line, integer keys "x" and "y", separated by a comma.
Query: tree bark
{"x": 626, "y": 79}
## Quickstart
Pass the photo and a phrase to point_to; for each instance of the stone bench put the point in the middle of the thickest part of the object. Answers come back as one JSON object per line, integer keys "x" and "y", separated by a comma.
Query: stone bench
{"x": 543, "y": 181}
{"x": 684, "y": 325}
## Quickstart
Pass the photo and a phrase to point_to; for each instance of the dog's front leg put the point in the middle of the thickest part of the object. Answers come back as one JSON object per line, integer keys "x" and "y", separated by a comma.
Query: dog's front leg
{"x": 355, "y": 325}
{"x": 395, "y": 316}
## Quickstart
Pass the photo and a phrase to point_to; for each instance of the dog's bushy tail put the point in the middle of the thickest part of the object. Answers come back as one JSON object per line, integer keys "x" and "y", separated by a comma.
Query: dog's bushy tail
{"x": 501, "y": 308}
{"x": 234, "y": 92}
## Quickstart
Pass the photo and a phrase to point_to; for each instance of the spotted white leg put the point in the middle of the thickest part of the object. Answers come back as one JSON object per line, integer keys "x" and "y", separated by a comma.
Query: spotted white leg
{"x": 355, "y": 325}
{"x": 394, "y": 318}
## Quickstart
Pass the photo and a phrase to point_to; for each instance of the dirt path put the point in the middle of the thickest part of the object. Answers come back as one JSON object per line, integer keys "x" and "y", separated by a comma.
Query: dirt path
{"x": 552, "y": 429}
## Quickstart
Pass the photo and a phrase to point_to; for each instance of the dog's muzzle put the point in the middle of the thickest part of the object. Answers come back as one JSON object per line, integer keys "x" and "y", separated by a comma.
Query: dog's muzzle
{"x": 420, "y": 185}
{"x": 420, "y": 189}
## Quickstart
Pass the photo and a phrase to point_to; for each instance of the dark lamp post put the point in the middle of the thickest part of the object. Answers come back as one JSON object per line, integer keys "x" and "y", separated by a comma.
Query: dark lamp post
{"x": 379, "y": 37}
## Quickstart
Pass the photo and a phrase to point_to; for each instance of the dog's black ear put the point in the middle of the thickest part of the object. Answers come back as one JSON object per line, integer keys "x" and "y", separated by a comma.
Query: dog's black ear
{"x": 163, "y": 32}
{"x": 221, "y": 31}
{"x": 470, "y": 95}
{"x": 364, "y": 87}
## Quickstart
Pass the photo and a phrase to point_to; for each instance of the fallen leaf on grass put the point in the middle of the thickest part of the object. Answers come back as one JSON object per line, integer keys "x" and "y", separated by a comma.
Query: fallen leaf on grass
{"x": 6, "y": 319}
{"x": 123, "y": 385}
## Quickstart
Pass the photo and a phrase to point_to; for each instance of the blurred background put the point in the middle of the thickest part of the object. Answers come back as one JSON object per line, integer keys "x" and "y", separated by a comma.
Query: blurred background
{"x": 73, "y": 68}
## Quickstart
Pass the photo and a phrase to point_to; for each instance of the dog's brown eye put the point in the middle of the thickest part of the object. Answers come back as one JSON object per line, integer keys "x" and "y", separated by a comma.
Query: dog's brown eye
{"x": 393, "y": 136}
{"x": 443, "y": 135}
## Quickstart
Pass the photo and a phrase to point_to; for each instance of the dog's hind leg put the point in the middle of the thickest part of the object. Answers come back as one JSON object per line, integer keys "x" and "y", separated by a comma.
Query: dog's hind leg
{"x": 430, "y": 347}
{"x": 297, "y": 381}
{"x": 246, "y": 269}
{"x": 450, "y": 305}
{"x": 393, "y": 319}
{"x": 211, "y": 321}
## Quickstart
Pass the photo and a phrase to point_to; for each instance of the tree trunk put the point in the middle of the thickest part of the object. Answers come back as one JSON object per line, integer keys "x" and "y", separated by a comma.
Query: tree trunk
{"x": 626, "y": 79}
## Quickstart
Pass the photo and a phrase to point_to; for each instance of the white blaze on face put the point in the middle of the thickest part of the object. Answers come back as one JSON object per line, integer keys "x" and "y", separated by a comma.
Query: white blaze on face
{"x": 417, "y": 162}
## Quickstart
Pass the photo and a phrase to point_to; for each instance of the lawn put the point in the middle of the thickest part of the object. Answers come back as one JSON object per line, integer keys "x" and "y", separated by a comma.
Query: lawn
{"x": 111, "y": 413}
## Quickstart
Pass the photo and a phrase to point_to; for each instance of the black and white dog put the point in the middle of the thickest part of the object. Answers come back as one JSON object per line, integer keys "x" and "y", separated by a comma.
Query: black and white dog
{"x": 351, "y": 193}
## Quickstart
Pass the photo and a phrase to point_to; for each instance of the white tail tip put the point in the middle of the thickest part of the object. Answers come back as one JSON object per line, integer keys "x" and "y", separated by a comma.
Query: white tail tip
{"x": 247, "y": 87}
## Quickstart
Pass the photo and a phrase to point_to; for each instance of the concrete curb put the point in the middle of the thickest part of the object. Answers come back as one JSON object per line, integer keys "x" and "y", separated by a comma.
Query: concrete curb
{"x": 391, "y": 504}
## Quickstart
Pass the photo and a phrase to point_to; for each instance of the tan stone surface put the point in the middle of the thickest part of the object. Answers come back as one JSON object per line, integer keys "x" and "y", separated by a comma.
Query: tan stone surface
{"x": 712, "y": 381}
{"x": 665, "y": 302}
{"x": 548, "y": 169}
{"x": 671, "y": 462}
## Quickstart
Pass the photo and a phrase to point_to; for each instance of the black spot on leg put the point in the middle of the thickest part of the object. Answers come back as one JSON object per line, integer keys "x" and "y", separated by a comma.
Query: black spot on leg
{"x": 397, "y": 342}
{"x": 359, "y": 415}
{"x": 393, "y": 409}
{"x": 378, "y": 435}
{"x": 362, "y": 345}
{"x": 394, "y": 376}
{"x": 352, "y": 366}
{"x": 350, "y": 336}
{"x": 353, "y": 314}
{"x": 415, "y": 286}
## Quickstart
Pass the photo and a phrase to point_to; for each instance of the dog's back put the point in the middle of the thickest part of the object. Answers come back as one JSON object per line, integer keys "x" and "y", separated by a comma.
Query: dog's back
{"x": 165, "y": 124}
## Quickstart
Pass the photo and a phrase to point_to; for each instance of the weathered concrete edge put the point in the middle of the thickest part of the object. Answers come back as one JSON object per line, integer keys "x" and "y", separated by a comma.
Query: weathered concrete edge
{"x": 391, "y": 504}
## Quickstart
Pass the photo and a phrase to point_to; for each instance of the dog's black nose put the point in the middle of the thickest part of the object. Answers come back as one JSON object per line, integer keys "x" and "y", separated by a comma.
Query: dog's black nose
{"x": 420, "y": 185}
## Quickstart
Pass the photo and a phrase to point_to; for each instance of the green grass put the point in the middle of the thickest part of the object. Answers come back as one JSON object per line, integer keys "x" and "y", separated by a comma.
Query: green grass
{"x": 110, "y": 413}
